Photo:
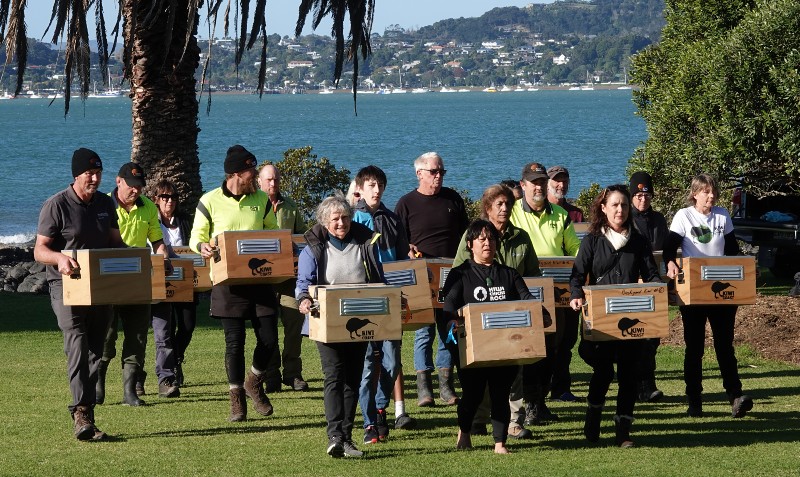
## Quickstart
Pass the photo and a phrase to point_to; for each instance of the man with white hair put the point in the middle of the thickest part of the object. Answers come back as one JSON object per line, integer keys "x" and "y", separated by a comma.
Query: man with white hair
{"x": 434, "y": 218}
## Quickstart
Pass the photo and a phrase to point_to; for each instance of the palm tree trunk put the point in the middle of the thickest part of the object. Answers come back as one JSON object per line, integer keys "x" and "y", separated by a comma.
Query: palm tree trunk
{"x": 163, "y": 92}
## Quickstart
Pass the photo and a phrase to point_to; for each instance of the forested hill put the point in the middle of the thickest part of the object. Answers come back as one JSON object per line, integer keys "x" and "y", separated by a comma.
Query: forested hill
{"x": 597, "y": 17}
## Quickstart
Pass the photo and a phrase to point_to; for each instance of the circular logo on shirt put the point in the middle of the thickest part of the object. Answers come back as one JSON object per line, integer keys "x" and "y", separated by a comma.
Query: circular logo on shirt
{"x": 481, "y": 294}
{"x": 702, "y": 233}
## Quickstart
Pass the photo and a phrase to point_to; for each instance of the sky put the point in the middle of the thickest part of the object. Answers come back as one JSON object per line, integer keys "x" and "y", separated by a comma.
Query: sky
{"x": 282, "y": 14}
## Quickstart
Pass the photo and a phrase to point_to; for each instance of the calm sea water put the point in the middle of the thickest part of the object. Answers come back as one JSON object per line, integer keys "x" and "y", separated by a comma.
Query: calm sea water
{"x": 483, "y": 138}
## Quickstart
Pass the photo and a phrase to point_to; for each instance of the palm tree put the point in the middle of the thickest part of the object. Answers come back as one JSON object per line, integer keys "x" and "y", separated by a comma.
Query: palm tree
{"x": 161, "y": 56}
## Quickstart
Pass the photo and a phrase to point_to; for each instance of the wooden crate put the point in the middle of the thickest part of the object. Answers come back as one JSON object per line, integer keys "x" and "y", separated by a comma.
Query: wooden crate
{"x": 581, "y": 229}
{"x": 438, "y": 269}
{"x": 158, "y": 280}
{"x": 349, "y": 313}
{"x": 542, "y": 290}
{"x": 559, "y": 269}
{"x": 716, "y": 281}
{"x": 625, "y": 312}
{"x": 299, "y": 243}
{"x": 201, "y": 268}
{"x": 412, "y": 277}
{"x": 252, "y": 257}
{"x": 501, "y": 333}
{"x": 180, "y": 284}
{"x": 109, "y": 276}
{"x": 662, "y": 267}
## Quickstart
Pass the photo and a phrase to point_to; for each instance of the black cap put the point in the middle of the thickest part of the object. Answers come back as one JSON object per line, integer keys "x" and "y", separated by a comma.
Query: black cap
{"x": 641, "y": 182}
{"x": 239, "y": 159}
{"x": 132, "y": 173}
{"x": 534, "y": 171}
{"x": 84, "y": 160}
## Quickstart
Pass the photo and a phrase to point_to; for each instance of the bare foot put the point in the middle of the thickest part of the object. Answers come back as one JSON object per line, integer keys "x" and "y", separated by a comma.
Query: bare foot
{"x": 464, "y": 440}
{"x": 500, "y": 448}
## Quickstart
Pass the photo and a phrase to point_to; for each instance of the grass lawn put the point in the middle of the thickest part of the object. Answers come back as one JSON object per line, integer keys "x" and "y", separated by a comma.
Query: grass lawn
{"x": 191, "y": 436}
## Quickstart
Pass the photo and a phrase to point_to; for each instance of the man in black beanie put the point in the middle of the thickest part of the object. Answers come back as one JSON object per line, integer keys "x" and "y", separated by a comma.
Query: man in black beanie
{"x": 78, "y": 217}
{"x": 238, "y": 204}
{"x": 654, "y": 226}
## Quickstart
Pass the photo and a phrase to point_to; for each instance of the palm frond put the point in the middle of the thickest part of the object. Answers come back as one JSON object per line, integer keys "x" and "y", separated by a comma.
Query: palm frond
{"x": 193, "y": 7}
{"x": 4, "y": 6}
{"x": 244, "y": 10}
{"x": 102, "y": 41}
{"x": 60, "y": 12}
{"x": 17, "y": 42}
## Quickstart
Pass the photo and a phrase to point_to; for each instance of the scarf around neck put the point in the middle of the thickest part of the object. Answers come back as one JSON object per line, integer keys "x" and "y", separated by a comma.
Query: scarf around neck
{"x": 617, "y": 240}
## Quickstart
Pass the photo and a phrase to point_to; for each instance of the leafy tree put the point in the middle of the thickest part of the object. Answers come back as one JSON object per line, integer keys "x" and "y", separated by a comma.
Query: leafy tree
{"x": 308, "y": 180}
{"x": 719, "y": 95}
{"x": 586, "y": 198}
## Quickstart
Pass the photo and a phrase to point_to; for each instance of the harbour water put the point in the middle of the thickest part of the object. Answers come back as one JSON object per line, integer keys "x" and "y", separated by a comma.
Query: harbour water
{"x": 483, "y": 138}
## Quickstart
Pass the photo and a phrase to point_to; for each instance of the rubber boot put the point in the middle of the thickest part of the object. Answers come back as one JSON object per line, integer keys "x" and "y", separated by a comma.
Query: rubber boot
{"x": 100, "y": 387}
{"x": 424, "y": 391}
{"x": 238, "y": 405}
{"x": 179, "y": 372}
{"x": 129, "y": 396}
{"x": 591, "y": 427}
{"x": 254, "y": 388}
{"x": 141, "y": 376}
{"x": 446, "y": 392}
{"x": 622, "y": 424}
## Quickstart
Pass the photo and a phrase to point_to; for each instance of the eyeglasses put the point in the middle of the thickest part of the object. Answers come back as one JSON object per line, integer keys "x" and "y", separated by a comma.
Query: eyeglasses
{"x": 643, "y": 196}
{"x": 434, "y": 172}
{"x": 168, "y": 197}
{"x": 615, "y": 188}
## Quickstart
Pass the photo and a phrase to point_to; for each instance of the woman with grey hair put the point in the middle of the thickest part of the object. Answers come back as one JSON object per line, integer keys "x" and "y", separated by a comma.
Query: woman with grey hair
{"x": 338, "y": 252}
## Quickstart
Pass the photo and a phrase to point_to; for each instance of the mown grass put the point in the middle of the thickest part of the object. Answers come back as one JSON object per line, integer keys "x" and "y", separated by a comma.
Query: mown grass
{"x": 190, "y": 435}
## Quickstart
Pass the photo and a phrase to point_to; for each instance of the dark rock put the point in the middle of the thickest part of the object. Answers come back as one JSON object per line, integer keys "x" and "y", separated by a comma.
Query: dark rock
{"x": 37, "y": 267}
{"x": 36, "y": 283}
{"x": 17, "y": 273}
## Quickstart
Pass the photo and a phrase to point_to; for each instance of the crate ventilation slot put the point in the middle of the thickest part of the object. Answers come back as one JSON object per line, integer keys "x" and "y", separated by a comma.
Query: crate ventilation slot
{"x": 176, "y": 275}
{"x": 443, "y": 276}
{"x": 197, "y": 260}
{"x": 255, "y": 246}
{"x": 560, "y": 275}
{"x": 401, "y": 278}
{"x": 537, "y": 292}
{"x": 364, "y": 306}
{"x": 507, "y": 319}
{"x": 116, "y": 266}
{"x": 720, "y": 272}
{"x": 630, "y": 304}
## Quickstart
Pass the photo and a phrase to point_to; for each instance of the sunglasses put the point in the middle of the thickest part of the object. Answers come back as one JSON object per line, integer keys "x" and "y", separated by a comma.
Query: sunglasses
{"x": 167, "y": 197}
{"x": 434, "y": 172}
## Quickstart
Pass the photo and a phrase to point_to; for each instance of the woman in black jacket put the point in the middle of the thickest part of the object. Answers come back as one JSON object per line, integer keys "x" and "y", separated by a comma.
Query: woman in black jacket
{"x": 612, "y": 253}
{"x": 477, "y": 280}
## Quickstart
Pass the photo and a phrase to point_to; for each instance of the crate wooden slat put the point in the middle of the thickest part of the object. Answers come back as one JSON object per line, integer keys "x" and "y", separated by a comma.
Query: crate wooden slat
{"x": 418, "y": 319}
{"x": 559, "y": 269}
{"x": 350, "y": 313}
{"x": 158, "y": 281}
{"x": 716, "y": 281}
{"x": 201, "y": 268}
{"x": 252, "y": 257}
{"x": 110, "y": 276}
{"x": 542, "y": 290}
{"x": 438, "y": 269}
{"x": 625, "y": 312}
{"x": 412, "y": 276}
{"x": 180, "y": 284}
{"x": 501, "y": 333}
{"x": 581, "y": 229}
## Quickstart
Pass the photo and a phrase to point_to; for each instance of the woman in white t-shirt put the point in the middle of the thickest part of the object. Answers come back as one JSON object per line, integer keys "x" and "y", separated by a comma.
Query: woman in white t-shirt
{"x": 705, "y": 230}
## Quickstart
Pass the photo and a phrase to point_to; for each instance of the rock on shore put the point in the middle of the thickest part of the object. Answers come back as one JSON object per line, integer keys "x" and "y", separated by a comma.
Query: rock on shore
{"x": 19, "y": 272}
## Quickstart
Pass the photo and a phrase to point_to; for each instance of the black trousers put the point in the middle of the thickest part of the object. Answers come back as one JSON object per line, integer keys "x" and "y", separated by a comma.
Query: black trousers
{"x": 342, "y": 365}
{"x": 266, "y": 331}
{"x": 601, "y": 356}
{"x": 568, "y": 327}
{"x": 722, "y": 319}
{"x": 473, "y": 385}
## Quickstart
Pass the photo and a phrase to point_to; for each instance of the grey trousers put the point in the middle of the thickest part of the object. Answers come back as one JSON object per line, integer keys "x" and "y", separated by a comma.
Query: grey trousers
{"x": 135, "y": 322}
{"x": 84, "y": 329}
{"x": 162, "y": 336}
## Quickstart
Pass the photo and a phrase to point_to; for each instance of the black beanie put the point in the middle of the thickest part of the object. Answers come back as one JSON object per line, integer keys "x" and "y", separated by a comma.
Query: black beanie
{"x": 641, "y": 182}
{"x": 83, "y": 160}
{"x": 239, "y": 159}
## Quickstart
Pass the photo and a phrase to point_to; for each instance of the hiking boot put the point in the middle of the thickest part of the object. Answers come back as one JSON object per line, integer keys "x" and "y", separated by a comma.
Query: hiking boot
{"x": 518, "y": 432}
{"x": 140, "y": 378}
{"x": 382, "y": 425}
{"x": 129, "y": 395}
{"x": 591, "y": 427}
{"x": 350, "y": 449}
{"x": 648, "y": 392}
{"x": 335, "y": 447}
{"x": 370, "y": 435}
{"x": 84, "y": 429}
{"x": 424, "y": 391}
{"x": 622, "y": 424}
{"x": 179, "y": 378}
{"x": 404, "y": 421}
{"x": 100, "y": 387}
{"x": 695, "y": 406}
{"x": 98, "y": 435}
{"x": 297, "y": 384}
{"x": 446, "y": 392}
{"x": 741, "y": 405}
{"x": 254, "y": 388}
{"x": 168, "y": 388}
{"x": 238, "y": 405}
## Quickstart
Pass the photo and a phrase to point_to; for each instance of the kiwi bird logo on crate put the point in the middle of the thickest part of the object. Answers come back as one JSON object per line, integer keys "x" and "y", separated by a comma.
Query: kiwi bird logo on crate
{"x": 170, "y": 290}
{"x": 628, "y": 327}
{"x": 562, "y": 295}
{"x": 195, "y": 277}
{"x": 354, "y": 325}
{"x": 257, "y": 267}
{"x": 720, "y": 290}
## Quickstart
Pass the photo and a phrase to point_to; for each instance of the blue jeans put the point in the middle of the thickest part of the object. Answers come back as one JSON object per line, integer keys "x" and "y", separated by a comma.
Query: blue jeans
{"x": 423, "y": 349}
{"x": 381, "y": 361}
